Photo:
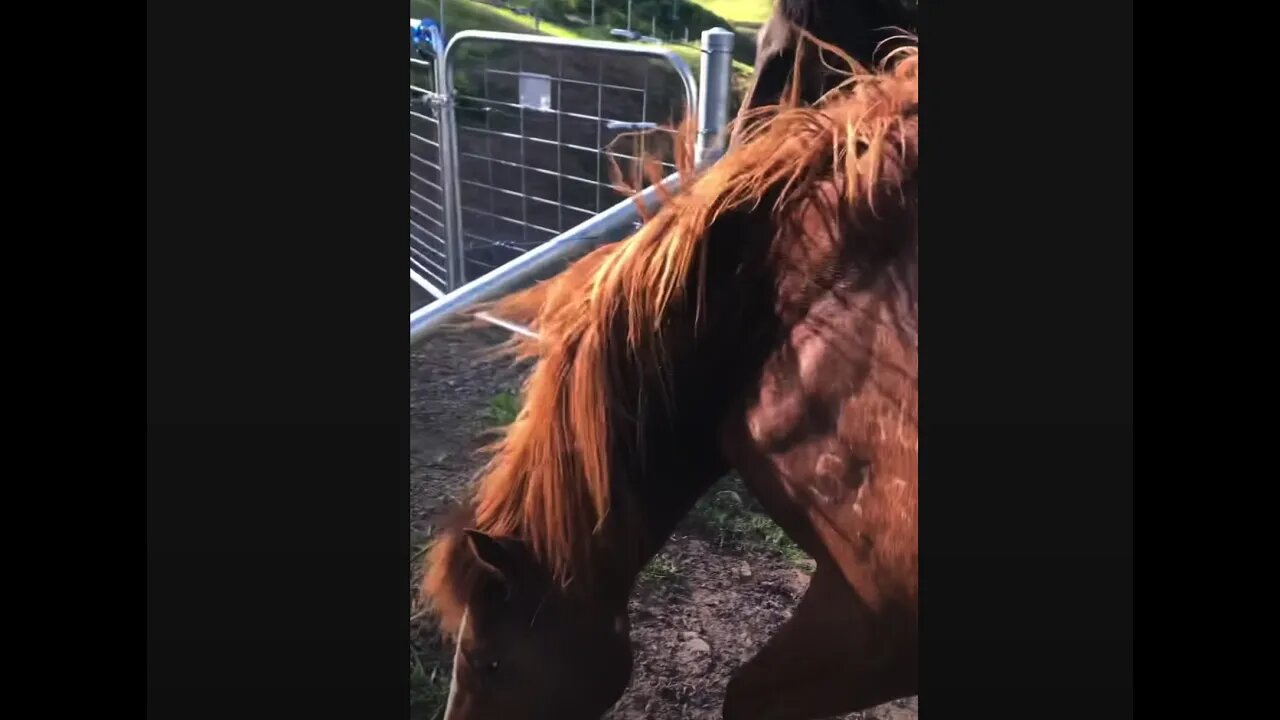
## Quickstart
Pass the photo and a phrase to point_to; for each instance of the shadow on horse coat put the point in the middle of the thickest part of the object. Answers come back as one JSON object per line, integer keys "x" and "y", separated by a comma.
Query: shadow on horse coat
{"x": 764, "y": 321}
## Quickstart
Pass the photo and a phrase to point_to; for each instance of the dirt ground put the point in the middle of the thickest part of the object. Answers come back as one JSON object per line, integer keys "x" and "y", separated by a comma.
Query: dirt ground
{"x": 724, "y": 583}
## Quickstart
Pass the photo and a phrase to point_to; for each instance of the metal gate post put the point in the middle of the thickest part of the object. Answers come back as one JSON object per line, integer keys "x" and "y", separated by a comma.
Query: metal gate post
{"x": 714, "y": 80}
{"x": 449, "y": 187}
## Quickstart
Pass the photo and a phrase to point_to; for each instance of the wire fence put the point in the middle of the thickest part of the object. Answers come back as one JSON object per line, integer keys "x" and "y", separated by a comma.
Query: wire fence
{"x": 518, "y": 142}
{"x": 545, "y": 131}
{"x": 428, "y": 247}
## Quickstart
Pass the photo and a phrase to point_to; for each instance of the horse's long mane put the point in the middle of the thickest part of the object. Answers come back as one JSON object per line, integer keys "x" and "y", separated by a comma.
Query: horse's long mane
{"x": 549, "y": 480}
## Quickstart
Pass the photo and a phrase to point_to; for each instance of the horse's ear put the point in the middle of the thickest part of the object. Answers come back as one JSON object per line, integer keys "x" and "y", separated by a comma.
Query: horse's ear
{"x": 490, "y": 552}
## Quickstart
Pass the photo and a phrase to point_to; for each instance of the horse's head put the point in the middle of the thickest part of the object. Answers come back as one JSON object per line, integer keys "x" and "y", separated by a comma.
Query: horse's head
{"x": 526, "y": 646}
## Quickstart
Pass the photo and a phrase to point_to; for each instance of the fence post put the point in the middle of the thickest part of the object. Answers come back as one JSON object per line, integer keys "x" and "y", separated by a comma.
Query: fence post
{"x": 448, "y": 171}
{"x": 715, "y": 78}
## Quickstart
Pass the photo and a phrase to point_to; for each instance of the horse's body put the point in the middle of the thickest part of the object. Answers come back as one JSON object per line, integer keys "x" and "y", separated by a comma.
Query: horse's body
{"x": 764, "y": 321}
{"x": 827, "y": 442}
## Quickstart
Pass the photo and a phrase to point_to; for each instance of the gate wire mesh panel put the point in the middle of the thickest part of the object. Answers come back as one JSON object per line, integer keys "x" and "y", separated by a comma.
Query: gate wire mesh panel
{"x": 541, "y": 133}
{"x": 427, "y": 246}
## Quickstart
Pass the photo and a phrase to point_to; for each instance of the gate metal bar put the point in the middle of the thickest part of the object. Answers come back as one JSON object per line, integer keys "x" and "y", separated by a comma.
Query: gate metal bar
{"x": 537, "y": 264}
{"x": 429, "y": 267}
{"x": 520, "y": 226}
{"x": 712, "y": 105}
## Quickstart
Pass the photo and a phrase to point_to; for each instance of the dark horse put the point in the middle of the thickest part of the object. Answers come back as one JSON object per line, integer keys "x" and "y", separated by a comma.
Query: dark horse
{"x": 867, "y": 30}
{"x": 764, "y": 321}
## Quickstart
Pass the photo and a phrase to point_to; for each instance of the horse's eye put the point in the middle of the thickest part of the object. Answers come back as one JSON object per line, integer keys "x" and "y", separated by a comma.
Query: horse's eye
{"x": 493, "y": 666}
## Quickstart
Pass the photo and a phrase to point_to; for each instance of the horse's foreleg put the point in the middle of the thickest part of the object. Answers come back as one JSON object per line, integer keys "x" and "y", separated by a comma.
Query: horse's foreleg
{"x": 823, "y": 661}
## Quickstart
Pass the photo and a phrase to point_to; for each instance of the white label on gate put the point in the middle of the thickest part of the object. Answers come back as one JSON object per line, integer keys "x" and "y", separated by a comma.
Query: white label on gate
{"x": 535, "y": 91}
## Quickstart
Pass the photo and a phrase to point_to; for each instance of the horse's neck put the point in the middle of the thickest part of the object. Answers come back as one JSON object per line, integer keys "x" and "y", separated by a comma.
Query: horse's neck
{"x": 669, "y": 492}
{"x": 680, "y": 455}
{"x": 680, "y": 461}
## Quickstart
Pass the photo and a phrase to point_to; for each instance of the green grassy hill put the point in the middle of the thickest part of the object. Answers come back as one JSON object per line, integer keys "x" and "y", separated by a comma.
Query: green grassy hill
{"x": 566, "y": 18}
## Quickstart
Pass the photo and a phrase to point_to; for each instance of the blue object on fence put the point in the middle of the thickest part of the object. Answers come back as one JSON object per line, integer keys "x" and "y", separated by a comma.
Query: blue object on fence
{"x": 418, "y": 29}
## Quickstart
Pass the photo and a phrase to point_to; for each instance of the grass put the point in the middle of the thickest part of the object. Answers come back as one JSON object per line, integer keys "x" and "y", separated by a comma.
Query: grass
{"x": 732, "y": 519}
{"x": 660, "y": 569}
{"x": 471, "y": 15}
{"x": 740, "y": 12}
{"x": 462, "y": 15}
{"x": 428, "y": 688}
{"x": 429, "y": 671}
{"x": 503, "y": 408}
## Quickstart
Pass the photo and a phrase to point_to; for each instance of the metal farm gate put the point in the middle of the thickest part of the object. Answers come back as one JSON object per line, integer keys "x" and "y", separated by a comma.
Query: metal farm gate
{"x": 514, "y": 143}
{"x": 428, "y": 244}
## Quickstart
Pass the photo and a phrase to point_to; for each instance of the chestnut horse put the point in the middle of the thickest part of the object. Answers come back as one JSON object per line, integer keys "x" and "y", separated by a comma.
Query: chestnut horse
{"x": 764, "y": 321}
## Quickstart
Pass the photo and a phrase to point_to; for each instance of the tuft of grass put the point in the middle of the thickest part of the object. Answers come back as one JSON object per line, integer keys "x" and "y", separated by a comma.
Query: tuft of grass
{"x": 660, "y": 569}
{"x": 730, "y": 517}
{"x": 428, "y": 689}
{"x": 503, "y": 408}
